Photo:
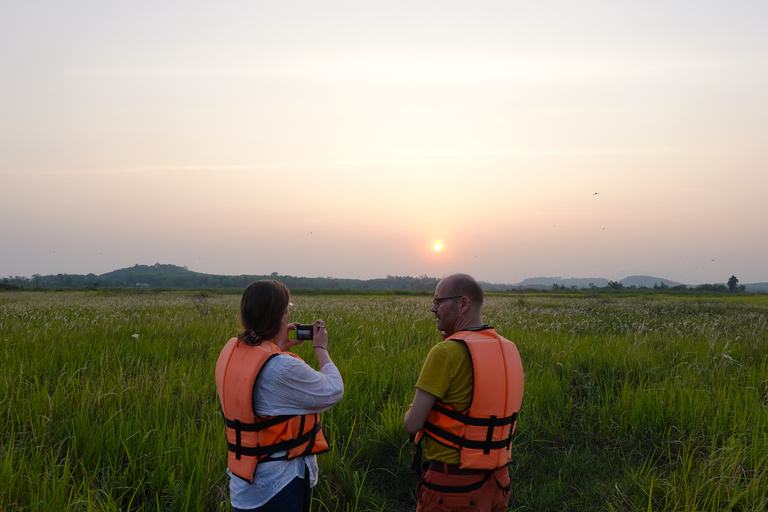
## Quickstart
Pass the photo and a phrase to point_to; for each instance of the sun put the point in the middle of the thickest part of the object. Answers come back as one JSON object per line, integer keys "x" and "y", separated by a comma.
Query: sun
{"x": 438, "y": 247}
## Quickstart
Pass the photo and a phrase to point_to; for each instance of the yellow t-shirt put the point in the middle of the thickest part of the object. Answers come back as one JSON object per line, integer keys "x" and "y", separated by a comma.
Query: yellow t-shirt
{"x": 447, "y": 374}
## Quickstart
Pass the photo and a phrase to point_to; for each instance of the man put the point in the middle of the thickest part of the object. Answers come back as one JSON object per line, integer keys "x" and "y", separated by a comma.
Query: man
{"x": 465, "y": 406}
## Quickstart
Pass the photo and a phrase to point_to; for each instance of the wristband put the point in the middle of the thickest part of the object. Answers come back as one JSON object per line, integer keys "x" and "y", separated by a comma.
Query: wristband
{"x": 323, "y": 348}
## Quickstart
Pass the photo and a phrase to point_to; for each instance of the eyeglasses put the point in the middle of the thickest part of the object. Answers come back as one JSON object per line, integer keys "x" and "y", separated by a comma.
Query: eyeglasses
{"x": 439, "y": 301}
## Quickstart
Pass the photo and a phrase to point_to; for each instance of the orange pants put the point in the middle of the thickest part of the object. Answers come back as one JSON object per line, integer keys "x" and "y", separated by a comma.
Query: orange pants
{"x": 441, "y": 492}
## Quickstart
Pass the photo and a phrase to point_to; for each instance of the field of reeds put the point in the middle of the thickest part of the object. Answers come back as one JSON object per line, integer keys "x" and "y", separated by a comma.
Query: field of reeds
{"x": 108, "y": 401}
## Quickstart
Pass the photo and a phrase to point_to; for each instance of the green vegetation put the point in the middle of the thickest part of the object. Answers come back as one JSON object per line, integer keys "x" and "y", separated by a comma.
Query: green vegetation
{"x": 632, "y": 402}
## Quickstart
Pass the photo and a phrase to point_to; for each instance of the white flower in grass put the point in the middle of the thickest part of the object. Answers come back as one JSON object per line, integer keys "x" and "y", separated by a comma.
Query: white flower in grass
{"x": 136, "y": 336}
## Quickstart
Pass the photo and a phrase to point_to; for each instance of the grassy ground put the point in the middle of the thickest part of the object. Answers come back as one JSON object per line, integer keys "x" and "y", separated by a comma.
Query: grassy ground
{"x": 108, "y": 402}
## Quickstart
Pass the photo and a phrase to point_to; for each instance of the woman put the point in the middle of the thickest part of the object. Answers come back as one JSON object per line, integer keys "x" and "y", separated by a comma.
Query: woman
{"x": 271, "y": 400}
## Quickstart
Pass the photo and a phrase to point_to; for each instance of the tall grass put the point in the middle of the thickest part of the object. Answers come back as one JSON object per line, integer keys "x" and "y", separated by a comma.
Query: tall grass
{"x": 108, "y": 402}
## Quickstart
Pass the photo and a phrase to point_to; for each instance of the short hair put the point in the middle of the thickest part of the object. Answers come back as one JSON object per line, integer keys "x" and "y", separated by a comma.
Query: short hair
{"x": 262, "y": 307}
{"x": 465, "y": 284}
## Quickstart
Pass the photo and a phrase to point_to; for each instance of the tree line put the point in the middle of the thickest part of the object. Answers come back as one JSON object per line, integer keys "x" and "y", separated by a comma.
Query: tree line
{"x": 174, "y": 277}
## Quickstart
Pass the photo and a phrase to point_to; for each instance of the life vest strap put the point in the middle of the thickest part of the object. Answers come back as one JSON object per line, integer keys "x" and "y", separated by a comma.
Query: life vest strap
{"x": 238, "y": 444}
{"x": 511, "y": 433}
{"x": 489, "y": 435}
{"x": 471, "y": 420}
{"x": 433, "y": 430}
{"x": 301, "y": 425}
{"x": 416, "y": 464}
{"x": 261, "y": 451}
{"x": 258, "y": 425}
{"x": 311, "y": 443}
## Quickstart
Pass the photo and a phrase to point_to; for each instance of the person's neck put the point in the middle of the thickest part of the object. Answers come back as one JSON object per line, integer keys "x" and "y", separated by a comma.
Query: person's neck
{"x": 470, "y": 323}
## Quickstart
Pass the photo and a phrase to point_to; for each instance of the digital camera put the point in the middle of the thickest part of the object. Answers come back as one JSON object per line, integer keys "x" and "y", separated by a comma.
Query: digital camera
{"x": 304, "y": 332}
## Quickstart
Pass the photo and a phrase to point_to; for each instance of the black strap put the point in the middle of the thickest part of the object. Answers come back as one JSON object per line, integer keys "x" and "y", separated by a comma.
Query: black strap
{"x": 489, "y": 436}
{"x": 471, "y": 420}
{"x": 311, "y": 443}
{"x": 238, "y": 443}
{"x": 511, "y": 431}
{"x": 301, "y": 424}
{"x": 261, "y": 451}
{"x": 259, "y": 425}
{"x": 458, "y": 488}
{"x": 416, "y": 464}
{"x": 465, "y": 443}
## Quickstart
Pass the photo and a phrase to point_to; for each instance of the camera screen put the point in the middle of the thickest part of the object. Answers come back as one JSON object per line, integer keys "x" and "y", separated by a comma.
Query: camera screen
{"x": 303, "y": 332}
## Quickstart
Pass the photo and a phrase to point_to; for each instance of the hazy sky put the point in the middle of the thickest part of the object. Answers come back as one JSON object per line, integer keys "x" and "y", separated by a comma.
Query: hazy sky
{"x": 345, "y": 139}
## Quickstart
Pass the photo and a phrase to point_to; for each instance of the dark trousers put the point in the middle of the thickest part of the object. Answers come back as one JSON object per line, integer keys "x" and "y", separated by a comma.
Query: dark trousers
{"x": 294, "y": 497}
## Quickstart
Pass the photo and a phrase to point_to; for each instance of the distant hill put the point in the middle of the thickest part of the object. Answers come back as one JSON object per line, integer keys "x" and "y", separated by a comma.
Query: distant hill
{"x": 150, "y": 274}
{"x": 647, "y": 281}
{"x": 165, "y": 276}
{"x": 546, "y": 283}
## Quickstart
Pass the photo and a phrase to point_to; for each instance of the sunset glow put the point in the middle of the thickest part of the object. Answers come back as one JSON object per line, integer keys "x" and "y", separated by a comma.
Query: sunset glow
{"x": 598, "y": 139}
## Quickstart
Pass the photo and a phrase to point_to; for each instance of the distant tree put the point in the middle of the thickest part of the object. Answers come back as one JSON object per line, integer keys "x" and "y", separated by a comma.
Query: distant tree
{"x": 615, "y": 285}
{"x": 6, "y": 285}
{"x": 711, "y": 288}
{"x": 732, "y": 282}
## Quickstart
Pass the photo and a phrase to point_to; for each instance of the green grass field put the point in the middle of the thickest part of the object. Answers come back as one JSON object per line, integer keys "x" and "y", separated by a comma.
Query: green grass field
{"x": 108, "y": 401}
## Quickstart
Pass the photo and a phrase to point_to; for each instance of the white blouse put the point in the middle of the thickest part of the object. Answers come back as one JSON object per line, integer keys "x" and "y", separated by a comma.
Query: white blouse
{"x": 286, "y": 385}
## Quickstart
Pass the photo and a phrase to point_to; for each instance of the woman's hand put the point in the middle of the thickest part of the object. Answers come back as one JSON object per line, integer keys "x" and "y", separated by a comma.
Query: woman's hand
{"x": 320, "y": 343}
{"x": 286, "y": 343}
{"x": 319, "y": 334}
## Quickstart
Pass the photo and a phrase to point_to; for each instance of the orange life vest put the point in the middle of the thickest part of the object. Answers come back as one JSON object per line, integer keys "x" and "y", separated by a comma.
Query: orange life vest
{"x": 251, "y": 439}
{"x": 483, "y": 432}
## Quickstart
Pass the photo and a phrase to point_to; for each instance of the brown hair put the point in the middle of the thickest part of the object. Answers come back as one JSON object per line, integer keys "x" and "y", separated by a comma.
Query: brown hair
{"x": 261, "y": 310}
